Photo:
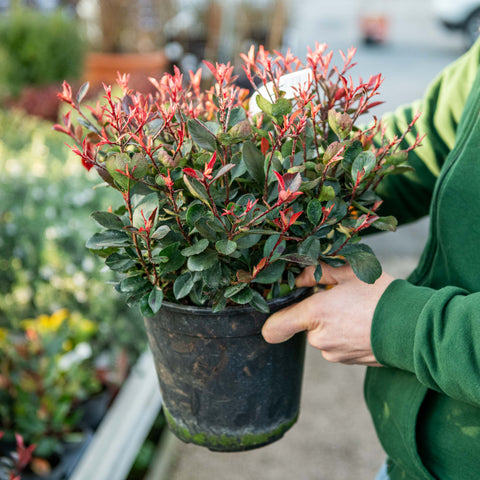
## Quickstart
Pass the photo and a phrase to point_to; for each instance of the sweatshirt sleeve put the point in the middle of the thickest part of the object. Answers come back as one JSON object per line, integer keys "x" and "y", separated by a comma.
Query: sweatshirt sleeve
{"x": 434, "y": 334}
{"x": 408, "y": 196}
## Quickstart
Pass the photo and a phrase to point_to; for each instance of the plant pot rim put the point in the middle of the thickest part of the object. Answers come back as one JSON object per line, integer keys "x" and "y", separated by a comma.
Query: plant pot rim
{"x": 202, "y": 322}
{"x": 277, "y": 303}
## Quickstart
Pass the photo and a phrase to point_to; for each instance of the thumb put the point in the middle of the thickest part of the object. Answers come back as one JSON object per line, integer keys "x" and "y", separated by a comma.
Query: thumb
{"x": 284, "y": 324}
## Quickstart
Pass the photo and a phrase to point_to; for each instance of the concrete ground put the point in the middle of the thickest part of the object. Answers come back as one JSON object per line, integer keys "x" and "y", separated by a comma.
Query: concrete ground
{"x": 334, "y": 437}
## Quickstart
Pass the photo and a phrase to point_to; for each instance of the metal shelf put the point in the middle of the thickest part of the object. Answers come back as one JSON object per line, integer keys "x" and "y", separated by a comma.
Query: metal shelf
{"x": 116, "y": 442}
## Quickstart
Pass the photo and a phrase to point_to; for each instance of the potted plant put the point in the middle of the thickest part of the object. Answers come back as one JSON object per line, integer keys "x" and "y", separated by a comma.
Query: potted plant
{"x": 221, "y": 208}
{"x": 46, "y": 376}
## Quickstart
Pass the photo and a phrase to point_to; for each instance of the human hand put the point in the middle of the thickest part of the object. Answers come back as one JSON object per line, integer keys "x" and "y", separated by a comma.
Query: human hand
{"x": 338, "y": 320}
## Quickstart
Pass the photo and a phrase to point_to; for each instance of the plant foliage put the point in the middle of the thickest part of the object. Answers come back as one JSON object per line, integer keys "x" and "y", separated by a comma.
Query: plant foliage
{"x": 220, "y": 202}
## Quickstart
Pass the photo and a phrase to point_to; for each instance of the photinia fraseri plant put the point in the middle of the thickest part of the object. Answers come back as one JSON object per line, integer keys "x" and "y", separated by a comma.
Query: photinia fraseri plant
{"x": 15, "y": 463}
{"x": 224, "y": 204}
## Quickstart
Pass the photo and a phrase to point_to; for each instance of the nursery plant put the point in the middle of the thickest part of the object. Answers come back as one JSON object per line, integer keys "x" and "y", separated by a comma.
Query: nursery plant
{"x": 46, "y": 373}
{"x": 223, "y": 205}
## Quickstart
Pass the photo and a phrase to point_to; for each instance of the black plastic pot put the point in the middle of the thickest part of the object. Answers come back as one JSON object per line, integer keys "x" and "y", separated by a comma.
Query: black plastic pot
{"x": 222, "y": 385}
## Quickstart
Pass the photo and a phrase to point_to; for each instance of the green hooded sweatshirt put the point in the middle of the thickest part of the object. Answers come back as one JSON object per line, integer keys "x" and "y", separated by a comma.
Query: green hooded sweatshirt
{"x": 425, "y": 400}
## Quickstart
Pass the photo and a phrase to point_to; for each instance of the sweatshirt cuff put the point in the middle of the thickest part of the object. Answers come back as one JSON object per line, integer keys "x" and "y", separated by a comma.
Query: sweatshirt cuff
{"x": 394, "y": 323}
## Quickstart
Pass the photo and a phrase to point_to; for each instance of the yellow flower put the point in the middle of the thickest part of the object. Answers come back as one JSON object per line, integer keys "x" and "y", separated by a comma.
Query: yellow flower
{"x": 3, "y": 334}
{"x": 53, "y": 322}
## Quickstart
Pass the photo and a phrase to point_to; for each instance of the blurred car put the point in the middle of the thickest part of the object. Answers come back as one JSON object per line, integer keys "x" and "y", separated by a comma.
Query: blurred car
{"x": 463, "y": 15}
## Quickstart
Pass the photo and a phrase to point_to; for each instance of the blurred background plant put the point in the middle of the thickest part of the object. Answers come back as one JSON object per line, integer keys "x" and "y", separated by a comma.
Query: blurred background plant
{"x": 44, "y": 265}
{"x": 46, "y": 371}
{"x": 38, "y": 50}
{"x": 82, "y": 338}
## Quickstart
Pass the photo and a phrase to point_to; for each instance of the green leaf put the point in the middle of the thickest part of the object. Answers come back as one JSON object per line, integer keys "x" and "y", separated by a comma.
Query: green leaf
{"x": 155, "y": 299}
{"x": 119, "y": 262}
{"x": 220, "y": 304}
{"x": 108, "y": 220}
{"x": 225, "y": 169}
{"x": 82, "y": 92}
{"x": 281, "y": 107}
{"x": 259, "y": 303}
{"x": 145, "y": 307}
{"x": 327, "y": 193}
{"x": 318, "y": 273}
{"x": 160, "y": 232}
{"x": 270, "y": 245}
{"x": 235, "y": 289}
{"x": 243, "y": 297}
{"x": 237, "y": 115}
{"x": 310, "y": 247}
{"x": 175, "y": 258}
{"x": 386, "y": 223}
{"x": 196, "y": 248}
{"x": 264, "y": 105}
{"x": 364, "y": 163}
{"x": 138, "y": 166}
{"x": 314, "y": 211}
{"x": 202, "y": 135}
{"x": 183, "y": 285}
{"x": 298, "y": 258}
{"x": 133, "y": 284}
{"x": 213, "y": 276}
{"x": 108, "y": 238}
{"x": 271, "y": 274}
{"x": 198, "y": 263}
{"x": 194, "y": 212}
{"x": 254, "y": 160}
{"x": 205, "y": 230}
{"x": 196, "y": 189}
{"x": 247, "y": 240}
{"x": 400, "y": 169}
{"x": 226, "y": 247}
{"x": 363, "y": 262}
{"x": 350, "y": 154}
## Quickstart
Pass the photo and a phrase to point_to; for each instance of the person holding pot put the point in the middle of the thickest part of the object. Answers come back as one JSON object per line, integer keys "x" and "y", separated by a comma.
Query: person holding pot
{"x": 419, "y": 337}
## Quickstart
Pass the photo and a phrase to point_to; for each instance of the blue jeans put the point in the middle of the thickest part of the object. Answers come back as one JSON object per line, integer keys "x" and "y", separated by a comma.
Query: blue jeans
{"x": 382, "y": 474}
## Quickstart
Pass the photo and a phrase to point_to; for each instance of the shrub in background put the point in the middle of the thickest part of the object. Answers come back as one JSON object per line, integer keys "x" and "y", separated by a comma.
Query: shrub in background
{"x": 44, "y": 266}
{"x": 38, "y": 49}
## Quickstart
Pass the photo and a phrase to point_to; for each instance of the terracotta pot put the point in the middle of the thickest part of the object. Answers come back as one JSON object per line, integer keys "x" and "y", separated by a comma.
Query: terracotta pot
{"x": 103, "y": 67}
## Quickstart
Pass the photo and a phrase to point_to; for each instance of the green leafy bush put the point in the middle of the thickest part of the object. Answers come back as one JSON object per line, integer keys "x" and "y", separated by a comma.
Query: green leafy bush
{"x": 44, "y": 224}
{"x": 38, "y": 49}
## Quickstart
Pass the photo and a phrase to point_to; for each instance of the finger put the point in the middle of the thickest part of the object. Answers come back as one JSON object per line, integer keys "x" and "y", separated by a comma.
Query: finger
{"x": 330, "y": 275}
{"x": 284, "y": 324}
{"x": 306, "y": 278}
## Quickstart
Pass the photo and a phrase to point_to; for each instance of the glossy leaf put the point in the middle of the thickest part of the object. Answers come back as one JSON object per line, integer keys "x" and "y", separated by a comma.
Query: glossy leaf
{"x": 175, "y": 258}
{"x": 183, "y": 285}
{"x": 386, "y": 224}
{"x": 202, "y": 135}
{"x": 226, "y": 247}
{"x": 119, "y": 262}
{"x": 196, "y": 248}
{"x": 271, "y": 274}
{"x": 363, "y": 262}
{"x": 259, "y": 303}
{"x": 298, "y": 258}
{"x": 108, "y": 238}
{"x": 314, "y": 211}
{"x": 198, "y": 263}
{"x": 254, "y": 160}
{"x": 108, "y": 220}
{"x": 363, "y": 164}
{"x": 155, "y": 299}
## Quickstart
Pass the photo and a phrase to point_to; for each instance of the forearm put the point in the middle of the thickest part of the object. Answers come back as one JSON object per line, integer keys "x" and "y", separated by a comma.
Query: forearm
{"x": 434, "y": 334}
